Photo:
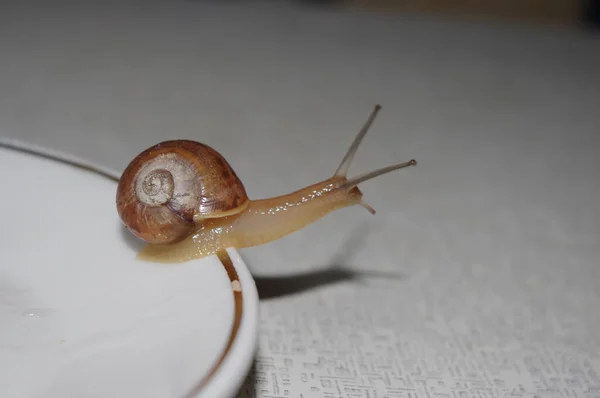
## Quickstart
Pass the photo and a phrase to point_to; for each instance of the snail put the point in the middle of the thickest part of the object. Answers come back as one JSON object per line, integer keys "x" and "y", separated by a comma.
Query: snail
{"x": 186, "y": 202}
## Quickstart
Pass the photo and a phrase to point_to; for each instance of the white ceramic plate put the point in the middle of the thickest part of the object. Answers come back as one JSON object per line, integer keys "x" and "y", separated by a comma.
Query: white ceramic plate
{"x": 81, "y": 317}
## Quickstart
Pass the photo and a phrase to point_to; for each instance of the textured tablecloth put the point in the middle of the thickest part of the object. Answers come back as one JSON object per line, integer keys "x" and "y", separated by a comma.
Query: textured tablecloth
{"x": 478, "y": 277}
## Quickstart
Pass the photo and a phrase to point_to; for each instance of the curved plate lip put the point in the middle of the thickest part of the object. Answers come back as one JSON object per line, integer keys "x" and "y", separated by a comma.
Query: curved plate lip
{"x": 229, "y": 377}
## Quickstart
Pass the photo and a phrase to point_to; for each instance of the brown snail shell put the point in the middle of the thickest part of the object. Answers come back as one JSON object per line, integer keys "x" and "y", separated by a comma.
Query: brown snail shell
{"x": 168, "y": 189}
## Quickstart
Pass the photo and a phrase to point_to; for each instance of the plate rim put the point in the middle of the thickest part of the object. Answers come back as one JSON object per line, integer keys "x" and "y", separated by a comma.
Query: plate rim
{"x": 227, "y": 377}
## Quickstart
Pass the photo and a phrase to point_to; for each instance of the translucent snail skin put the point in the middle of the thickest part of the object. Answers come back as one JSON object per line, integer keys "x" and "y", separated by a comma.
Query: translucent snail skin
{"x": 186, "y": 202}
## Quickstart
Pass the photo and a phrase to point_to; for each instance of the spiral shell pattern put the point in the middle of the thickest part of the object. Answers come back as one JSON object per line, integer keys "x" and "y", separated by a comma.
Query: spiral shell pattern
{"x": 168, "y": 189}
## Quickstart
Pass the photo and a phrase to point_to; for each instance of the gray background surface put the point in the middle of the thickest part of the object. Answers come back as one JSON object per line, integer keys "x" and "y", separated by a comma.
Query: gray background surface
{"x": 478, "y": 275}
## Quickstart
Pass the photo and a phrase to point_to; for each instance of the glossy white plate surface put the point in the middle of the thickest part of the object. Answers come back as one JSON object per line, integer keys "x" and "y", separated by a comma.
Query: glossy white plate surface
{"x": 81, "y": 317}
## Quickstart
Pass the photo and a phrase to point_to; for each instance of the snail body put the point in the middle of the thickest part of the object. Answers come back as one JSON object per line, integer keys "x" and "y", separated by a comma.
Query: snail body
{"x": 184, "y": 199}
